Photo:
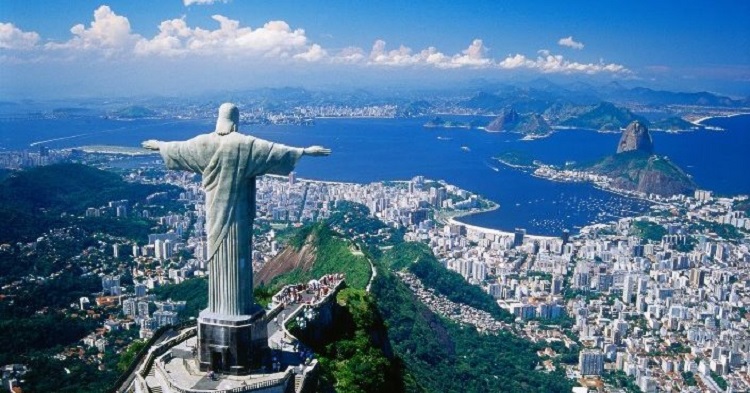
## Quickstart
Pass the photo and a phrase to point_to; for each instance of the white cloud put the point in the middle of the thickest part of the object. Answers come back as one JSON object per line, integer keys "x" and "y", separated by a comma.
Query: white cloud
{"x": 110, "y": 35}
{"x": 397, "y": 57}
{"x": 315, "y": 53}
{"x": 473, "y": 56}
{"x": 274, "y": 39}
{"x": 570, "y": 43}
{"x": 549, "y": 63}
{"x": 11, "y": 37}
{"x": 350, "y": 55}
{"x": 517, "y": 61}
{"x": 108, "y": 32}
{"x": 202, "y": 2}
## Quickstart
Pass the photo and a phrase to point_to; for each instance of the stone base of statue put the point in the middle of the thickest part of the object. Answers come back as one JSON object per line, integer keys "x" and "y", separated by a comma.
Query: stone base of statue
{"x": 232, "y": 344}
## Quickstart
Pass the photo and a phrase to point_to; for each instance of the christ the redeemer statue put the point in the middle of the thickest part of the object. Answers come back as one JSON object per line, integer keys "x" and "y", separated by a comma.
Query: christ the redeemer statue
{"x": 229, "y": 163}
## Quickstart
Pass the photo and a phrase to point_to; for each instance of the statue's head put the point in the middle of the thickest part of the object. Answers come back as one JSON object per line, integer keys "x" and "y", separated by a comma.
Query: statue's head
{"x": 229, "y": 119}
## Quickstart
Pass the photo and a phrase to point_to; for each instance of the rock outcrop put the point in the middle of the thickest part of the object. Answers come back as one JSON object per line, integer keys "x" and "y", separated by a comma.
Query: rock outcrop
{"x": 288, "y": 260}
{"x": 512, "y": 121}
{"x": 636, "y": 168}
{"x": 636, "y": 138}
{"x": 650, "y": 174}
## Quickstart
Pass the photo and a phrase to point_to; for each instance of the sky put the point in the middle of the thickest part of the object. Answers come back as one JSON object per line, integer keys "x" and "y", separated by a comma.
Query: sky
{"x": 138, "y": 47}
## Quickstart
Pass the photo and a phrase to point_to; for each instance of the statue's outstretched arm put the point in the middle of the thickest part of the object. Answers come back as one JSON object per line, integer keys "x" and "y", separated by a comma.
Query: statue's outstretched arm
{"x": 316, "y": 151}
{"x": 151, "y": 144}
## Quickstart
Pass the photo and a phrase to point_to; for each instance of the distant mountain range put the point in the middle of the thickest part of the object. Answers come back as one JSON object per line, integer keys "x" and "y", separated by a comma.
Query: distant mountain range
{"x": 555, "y": 102}
{"x": 604, "y": 116}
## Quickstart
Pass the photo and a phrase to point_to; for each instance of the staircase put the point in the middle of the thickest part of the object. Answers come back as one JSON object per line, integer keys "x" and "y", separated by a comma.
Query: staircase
{"x": 298, "y": 382}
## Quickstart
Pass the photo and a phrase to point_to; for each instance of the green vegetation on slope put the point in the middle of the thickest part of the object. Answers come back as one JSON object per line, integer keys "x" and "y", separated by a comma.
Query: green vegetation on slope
{"x": 134, "y": 112}
{"x": 630, "y": 160}
{"x": 33, "y": 339}
{"x": 420, "y": 261}
{"x": 648, "y": 230}
{"x": 193, "y": 291}
{"x": 605, "y": 116}
{"x": 673, "y": 124}
{"x": 32, "y": 201}
{"x": 442, "y": 356}
{"x": 435, "y": 354}
{"x": 637, "y": 170}
{"x": 353, "y": 348}
{"x": 724, "y": 231}
{"x": 70, "y": 375}
{"x": 70, "y": 188}
{"x": 333, "y": 255}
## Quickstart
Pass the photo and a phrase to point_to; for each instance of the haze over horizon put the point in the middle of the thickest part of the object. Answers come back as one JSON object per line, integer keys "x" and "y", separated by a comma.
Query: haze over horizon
{"x": 126, "y": 48}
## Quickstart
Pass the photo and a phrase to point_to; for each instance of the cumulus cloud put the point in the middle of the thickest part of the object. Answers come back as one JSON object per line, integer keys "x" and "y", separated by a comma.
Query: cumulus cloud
{"x": 110, "y": 35}
{"x": 473, "y": 56}
{"x": 108, "y": 32}
{"x": 549, "y": 63}
{"x": 11, "y": 37}
{"x": 396, "y": 57}
{"x": 274, "y": 39}
{"x": 315, "y": 53}
{"x": 350, "y": 55}
{"x": 570, "y": 43}
{"x": 202, "y": 2}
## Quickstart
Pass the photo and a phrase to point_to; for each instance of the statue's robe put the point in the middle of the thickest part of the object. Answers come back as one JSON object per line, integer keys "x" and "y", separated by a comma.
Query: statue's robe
{"x": 229, "y": 164}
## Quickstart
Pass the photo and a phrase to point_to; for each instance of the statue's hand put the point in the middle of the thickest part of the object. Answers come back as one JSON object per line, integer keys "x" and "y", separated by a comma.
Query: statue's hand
{"x": 316, "y": 151}
{"x": 151, "y": 144}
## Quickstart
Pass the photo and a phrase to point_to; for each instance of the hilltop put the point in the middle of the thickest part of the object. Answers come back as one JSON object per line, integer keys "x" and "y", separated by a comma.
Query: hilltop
{"x": 42, "y": 198}
{"x": 635, "y": 167}
{"x": 512, "y": 121}
{"x": 313, "y": 251}
{"x": 605, "y": 117}
{"x": 636, "y": 138}
{"x": 134, "y": 112}
{"x": 387, "y": 339}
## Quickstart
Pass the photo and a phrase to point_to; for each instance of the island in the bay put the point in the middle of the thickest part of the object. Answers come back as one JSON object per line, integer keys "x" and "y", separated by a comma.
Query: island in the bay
{"x": 529, "y": 124}
{"x": 633, "y": 169}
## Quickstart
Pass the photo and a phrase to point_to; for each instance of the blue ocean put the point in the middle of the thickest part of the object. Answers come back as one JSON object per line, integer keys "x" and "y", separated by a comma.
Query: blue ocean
{"x": 366, "y": 150}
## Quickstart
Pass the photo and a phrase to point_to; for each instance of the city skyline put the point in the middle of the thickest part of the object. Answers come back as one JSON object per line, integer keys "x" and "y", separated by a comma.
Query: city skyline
{"x": 118, "y": 48}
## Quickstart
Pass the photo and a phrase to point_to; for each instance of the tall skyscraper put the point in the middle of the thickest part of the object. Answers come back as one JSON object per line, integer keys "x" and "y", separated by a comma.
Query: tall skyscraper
{"x": 140, "y": 289}
{"x": 591, "y": 362}
{"x": 109, "y": 283}
{"x": 565, "y": 236}
{"x": 130, "y": 307}
{"x": 628, "y": 288}
{"x": 518, "y": 237}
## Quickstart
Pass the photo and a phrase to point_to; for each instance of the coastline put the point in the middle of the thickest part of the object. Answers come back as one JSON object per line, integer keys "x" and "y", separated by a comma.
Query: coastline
{"x": 117, "y": 150}
{"x": 514, "y": 166}
{"x": 452, "y": 218}
{"x": 496, "y": 232}
{"x": 702, "y": 119}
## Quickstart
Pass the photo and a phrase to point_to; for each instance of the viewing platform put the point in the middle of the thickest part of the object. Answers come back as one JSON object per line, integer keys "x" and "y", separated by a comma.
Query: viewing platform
{"x": 170, "y": 364}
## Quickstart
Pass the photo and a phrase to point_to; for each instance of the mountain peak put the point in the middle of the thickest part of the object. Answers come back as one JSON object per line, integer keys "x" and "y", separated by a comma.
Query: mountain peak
{"x": 636, "y": 138}
{"x": 512, "y": 121}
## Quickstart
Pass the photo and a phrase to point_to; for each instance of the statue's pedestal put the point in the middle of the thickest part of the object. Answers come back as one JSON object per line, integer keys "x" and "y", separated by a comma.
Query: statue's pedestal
{"x": 232, "y": 344}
